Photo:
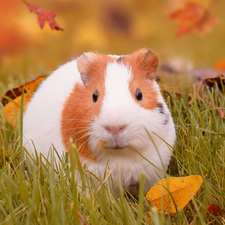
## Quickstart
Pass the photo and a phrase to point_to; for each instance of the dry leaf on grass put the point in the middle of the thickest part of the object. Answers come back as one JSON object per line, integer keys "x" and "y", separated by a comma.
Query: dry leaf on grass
{"x": 30, "y": 87}
{"x": 220, "y": 80}
{"x": 182, "y": 189}
{"x": 12, "y": 99}
{"x": 12, "y": 109}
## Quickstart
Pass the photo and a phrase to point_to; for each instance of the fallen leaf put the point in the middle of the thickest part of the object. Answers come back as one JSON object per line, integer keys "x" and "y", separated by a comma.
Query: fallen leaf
{"x": 29, "y": 86}
{"x": 215, "y": 210}
{"x": 12, "y": 109}
{"x": 194, "y": 17}
{"x": 12, "y": 99}
{"x": 43, "y": 16}
{"x": 182, "y": 189}
{"x": 210, "y": 81}
{"x": 220, "y": 80}
{"x": 201, "y": 74}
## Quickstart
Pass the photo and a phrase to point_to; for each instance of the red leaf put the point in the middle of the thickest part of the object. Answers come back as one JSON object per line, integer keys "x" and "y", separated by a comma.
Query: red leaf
{"x": 215, "y": 209}
{"x": 44, "y": 16}
{"x": 194, "y": 17}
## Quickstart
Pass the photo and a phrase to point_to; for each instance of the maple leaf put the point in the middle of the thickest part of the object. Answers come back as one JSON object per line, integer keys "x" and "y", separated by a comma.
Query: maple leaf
{"x": 194, "y": 17}
{"x": 44, "y": 16}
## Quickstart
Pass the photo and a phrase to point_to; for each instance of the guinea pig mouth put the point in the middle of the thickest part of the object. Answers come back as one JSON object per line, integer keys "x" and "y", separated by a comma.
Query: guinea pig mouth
{"x": 117, "y": 148}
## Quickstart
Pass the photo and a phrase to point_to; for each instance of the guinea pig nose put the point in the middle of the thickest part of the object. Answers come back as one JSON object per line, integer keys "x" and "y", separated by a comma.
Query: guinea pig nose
{"x": 115, "y": 129}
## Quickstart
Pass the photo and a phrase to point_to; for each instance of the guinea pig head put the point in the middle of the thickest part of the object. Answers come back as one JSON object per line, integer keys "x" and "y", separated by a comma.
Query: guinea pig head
{"x": 85, "y": 101}
{"x": 110, "y": 111}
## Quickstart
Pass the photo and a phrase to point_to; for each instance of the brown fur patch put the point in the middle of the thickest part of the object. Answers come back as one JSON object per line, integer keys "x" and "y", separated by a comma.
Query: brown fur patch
{"x": 143, "y": 64}
{"x": 79, "y": 109}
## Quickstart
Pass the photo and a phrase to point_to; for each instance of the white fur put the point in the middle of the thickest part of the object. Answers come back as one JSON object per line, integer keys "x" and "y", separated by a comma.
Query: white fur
{"x": 41, "y": 122}
{"x": 43, "y": 115}
{"x": 119, "y": 108}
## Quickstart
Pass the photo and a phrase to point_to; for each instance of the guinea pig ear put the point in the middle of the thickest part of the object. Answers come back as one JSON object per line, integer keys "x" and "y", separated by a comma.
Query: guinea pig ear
{"x": 83, "y": 65}
{"x": 148, "y": 61}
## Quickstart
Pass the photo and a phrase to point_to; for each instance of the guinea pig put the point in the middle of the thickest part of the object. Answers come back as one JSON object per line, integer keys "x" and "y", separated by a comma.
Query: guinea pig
{"x": 113, "y": 106}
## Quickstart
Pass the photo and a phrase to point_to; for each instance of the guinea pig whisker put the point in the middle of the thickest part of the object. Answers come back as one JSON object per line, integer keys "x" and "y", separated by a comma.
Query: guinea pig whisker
{"x": 77, "y": 128}
{"x": 71, "y": 136}
{"x": 83, "y": 136}
{"x": 75, "y": 120}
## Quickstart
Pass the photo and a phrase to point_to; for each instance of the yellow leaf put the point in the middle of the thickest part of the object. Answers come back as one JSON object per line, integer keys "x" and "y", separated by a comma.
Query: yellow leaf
{"x": 12, "y": 109}
{"x": 30, "y": 87}
{"x": 182, "y": 189}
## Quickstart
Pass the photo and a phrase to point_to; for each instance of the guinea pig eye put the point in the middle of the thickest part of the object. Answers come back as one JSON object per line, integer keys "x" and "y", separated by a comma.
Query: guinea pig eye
{"x": 95, "y": 96}
{"x": 139, "y": 95}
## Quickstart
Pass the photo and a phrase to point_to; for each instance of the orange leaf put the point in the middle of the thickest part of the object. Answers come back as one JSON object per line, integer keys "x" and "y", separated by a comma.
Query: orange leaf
{"x": 30, "y": 87}
{"x": 194, "y": 17}
{"x": 182, "y": 189}
{"x": 215, "y": 209}
{"x": 12, "y": 109}
{"x": 44, "y": 16}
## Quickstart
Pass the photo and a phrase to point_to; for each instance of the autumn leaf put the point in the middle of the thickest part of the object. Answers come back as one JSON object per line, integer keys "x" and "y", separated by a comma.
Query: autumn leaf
{"x": 180, "y": 189}
{"x": 29, "y": 86}
{"x": 12, "y": 109}
{"x": 12, "y": 99}
{"x": 194, "y": 17}
{"x": 44, "y": 16}
{"x": 215, "y": 210}
{"x": 210, "y": 82}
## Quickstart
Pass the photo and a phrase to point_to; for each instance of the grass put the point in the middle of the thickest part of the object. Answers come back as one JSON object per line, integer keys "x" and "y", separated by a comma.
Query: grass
{"x": 41, "y": 195}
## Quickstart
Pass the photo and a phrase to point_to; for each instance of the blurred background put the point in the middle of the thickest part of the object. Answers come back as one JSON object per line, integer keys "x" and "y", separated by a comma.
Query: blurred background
{"x": 104, "y": 26}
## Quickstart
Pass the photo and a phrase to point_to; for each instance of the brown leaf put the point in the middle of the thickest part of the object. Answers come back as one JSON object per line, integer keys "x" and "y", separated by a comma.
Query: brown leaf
{"x": 194, "y": 17}
{"x": 201, "y": 74}
{"x": 215, "y": 210}
{"x": 30, "y": 86}
{"x": 211, "y": 82}
{"x": 43, "y": 16}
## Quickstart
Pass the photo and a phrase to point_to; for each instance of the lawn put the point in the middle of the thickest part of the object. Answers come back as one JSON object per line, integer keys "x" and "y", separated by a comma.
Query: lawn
{"x": 35, "y": 193}
{"x": 40, "y": 195}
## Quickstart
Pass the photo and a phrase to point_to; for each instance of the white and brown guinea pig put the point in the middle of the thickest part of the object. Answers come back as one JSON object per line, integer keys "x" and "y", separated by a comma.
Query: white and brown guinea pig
{"x": 111, "y": 103}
